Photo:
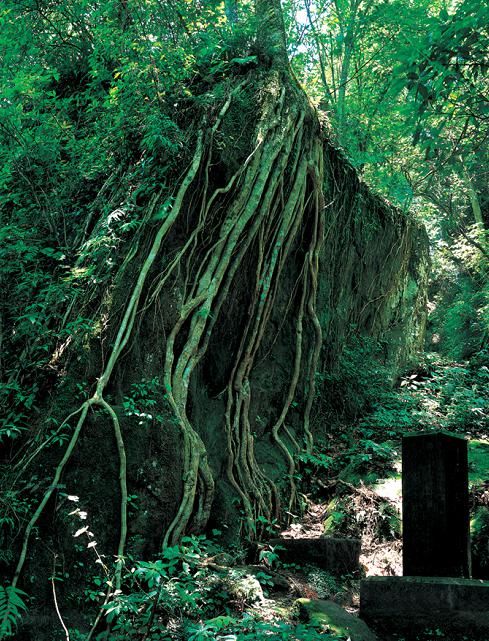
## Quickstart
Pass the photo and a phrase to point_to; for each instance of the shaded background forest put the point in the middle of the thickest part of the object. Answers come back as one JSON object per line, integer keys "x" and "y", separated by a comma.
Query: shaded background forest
{"x": 100, "y": 114}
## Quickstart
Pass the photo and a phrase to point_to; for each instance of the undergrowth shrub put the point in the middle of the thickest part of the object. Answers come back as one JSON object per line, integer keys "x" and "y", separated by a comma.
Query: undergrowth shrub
{"x": 182, "y": 596}
{"x": 363, "y": 515}
{"x": 159, "y": 595}
{"x": 12, "y": 608}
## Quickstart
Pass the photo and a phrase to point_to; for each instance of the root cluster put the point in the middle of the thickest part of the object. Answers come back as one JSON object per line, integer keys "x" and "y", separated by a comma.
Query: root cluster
{"x": 270, "y": 209}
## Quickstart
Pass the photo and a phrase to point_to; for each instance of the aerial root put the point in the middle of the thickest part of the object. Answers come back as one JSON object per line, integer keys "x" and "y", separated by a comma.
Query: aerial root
{"x": 263, "y": 214}
{"x": 243, "y": 471}
{"x": 122, "y": 337}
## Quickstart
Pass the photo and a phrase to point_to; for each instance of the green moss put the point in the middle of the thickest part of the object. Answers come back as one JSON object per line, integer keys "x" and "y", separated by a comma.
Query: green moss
{"x": 329, "y": 615}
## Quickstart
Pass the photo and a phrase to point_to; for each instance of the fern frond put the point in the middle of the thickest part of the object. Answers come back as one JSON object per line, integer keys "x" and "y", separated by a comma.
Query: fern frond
{"x": 12, "y": 606}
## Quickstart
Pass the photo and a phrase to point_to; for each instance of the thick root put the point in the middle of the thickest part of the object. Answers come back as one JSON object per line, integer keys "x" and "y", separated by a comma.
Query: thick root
{"x": 264, "y": 211}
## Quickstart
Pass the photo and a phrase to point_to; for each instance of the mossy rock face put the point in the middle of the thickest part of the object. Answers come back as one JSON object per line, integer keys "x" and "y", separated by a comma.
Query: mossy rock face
{"x": 356, "y": 267}
{"x": 322, "y": 613}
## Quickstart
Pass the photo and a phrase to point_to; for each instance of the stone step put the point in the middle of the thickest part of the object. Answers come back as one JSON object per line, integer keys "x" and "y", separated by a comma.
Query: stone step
{"x": 335, "y": 555}
{"x": 410, "y": 604}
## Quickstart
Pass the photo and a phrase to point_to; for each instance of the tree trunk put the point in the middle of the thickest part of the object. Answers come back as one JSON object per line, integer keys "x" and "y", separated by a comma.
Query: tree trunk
{"x": 271, "y": 32}
{"x": 320, "y": 53}
{"x": 349, "y": 41}
{"x": 473, "y": 197}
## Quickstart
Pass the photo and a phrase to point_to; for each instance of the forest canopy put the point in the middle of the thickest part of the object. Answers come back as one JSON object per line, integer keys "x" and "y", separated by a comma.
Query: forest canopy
{"x": 243, "y": 246}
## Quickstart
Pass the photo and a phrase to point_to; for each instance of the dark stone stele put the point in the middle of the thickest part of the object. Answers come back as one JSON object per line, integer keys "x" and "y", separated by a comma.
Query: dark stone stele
{"x": 435, "y": 499}
{"x": 336, "y": 555}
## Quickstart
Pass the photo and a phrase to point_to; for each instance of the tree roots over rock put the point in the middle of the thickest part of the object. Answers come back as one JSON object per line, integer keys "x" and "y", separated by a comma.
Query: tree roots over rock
{"x": 219, "y": 231}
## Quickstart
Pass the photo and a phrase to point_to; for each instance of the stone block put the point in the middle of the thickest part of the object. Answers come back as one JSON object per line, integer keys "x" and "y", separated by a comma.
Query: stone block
{"x": 335, "y": 555}
{"x": 411, "y": 604}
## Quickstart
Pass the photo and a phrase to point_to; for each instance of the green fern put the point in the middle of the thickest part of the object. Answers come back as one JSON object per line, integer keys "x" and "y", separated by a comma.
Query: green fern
{"x": 12, "y": 607}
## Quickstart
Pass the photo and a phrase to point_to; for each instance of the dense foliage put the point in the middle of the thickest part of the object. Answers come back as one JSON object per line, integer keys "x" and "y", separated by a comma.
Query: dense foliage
{"x": 406, "y": 87}
{"x": 97, "y": 114}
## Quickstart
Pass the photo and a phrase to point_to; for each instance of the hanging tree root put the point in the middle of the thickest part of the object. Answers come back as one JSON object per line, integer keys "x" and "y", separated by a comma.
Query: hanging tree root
{"x": 267, "y": 213}
{"x": 265, "y": 208}
{"x": 121, "y": 340}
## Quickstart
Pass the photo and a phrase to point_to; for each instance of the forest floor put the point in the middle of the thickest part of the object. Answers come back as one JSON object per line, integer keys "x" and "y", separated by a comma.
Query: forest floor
{"x": 350, "y": 487}
{"x": 363, "y": 497}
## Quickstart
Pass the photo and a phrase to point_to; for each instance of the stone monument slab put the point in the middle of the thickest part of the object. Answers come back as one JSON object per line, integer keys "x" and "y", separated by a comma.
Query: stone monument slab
{"x": 435, "y": 498}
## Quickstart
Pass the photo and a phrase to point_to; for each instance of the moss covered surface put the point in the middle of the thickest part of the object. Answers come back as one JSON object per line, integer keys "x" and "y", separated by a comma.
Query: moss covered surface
{"x": 224, "y": 312}
{"x": 328, "y": 614}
